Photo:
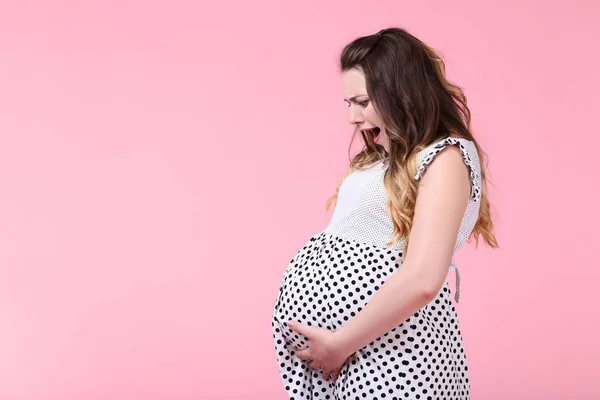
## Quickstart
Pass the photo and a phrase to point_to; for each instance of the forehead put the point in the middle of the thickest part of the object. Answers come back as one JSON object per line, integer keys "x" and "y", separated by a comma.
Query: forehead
{"x": 353, "y": 83}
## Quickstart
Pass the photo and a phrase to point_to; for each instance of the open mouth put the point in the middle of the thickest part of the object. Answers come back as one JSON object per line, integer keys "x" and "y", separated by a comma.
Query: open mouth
{"x": 373, "y": 132}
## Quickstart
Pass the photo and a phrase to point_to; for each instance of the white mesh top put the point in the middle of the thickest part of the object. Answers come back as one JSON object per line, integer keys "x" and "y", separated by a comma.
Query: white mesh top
{"x": 335, "y": 274}
{"x": 361, "y": 213}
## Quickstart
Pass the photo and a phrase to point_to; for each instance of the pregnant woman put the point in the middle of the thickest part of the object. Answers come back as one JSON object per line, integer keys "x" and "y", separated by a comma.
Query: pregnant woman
{"x": 364, "y": 310}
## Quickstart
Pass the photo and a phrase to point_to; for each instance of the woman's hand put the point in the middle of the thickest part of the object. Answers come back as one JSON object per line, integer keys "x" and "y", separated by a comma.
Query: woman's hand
{"x": 323, "y": 350}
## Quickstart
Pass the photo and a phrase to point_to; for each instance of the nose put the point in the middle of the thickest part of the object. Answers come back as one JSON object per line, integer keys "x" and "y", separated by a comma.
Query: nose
{"x": 356, "y": 116}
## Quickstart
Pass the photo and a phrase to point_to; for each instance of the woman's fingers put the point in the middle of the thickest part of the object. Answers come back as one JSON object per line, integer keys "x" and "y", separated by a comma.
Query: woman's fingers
{"x": 334, "y": 376}
{"x": 331, "y": 375}
{"x": 303, "y": 354}
{"x": 328, "y": 374}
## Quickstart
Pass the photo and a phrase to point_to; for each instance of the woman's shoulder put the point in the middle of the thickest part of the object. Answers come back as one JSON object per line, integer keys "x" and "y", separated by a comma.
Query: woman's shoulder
{"x": 462, "y": 148}
{"x": 467, "y": 148}
{"x": 440, "y": 144}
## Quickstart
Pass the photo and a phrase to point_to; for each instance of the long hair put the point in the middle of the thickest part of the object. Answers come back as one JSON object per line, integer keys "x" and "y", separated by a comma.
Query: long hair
{"x": 406, "y": 83}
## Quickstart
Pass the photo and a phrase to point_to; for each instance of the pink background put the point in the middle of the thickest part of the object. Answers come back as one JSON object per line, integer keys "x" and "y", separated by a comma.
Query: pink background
{"x": 161, "y": 162}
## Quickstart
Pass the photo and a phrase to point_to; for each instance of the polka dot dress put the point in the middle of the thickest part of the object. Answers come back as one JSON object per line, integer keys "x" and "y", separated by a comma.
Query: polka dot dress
{"x": 335, "y": 274}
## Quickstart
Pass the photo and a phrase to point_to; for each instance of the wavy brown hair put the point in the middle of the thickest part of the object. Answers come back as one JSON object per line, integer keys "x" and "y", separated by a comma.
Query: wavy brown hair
{"x": 406, "y": 83}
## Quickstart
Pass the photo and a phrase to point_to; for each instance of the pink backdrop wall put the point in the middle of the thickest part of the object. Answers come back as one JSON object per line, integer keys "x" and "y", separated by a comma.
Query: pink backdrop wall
{"x": 156, "y": 176}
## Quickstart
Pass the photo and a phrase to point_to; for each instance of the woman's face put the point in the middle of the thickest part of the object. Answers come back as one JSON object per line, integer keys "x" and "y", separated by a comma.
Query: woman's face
{"x": 362, "y": 113}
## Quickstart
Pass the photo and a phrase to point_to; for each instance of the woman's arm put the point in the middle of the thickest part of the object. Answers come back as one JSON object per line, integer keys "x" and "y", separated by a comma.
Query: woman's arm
{"x": 441, "y": 202}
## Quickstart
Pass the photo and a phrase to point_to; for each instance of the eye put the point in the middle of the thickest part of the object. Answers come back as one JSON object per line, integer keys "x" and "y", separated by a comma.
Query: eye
{"x": 364, "y": 103}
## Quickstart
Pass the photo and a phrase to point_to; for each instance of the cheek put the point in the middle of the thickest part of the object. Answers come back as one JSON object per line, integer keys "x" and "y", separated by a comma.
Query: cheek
{"x": 371, "y": 115}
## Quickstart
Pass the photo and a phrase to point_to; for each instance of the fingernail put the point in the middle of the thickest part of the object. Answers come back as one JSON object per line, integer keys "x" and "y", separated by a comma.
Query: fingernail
{"x": 290, "y": 323}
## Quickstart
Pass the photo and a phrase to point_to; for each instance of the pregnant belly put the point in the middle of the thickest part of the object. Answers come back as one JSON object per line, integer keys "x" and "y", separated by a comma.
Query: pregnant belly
{"x": 328, "y": 288}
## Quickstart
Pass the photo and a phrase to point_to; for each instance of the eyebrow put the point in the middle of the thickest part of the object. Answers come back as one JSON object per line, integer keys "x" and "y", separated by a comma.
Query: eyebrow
{"x": 353, "y": 98}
